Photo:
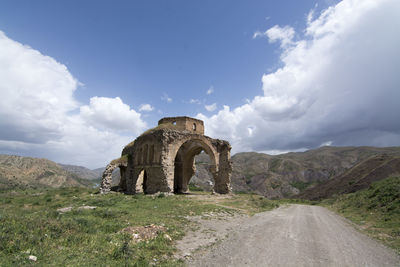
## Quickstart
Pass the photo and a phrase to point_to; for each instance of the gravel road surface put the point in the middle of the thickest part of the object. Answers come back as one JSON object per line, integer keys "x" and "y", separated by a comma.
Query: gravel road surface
{"x": 295, "y": 235}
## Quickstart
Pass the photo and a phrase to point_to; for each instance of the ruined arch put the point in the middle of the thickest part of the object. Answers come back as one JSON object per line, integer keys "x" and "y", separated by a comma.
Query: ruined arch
{"x": 184, "y": 165}
{"x": 167, "y": 152}
{"x": 106, "y": 181}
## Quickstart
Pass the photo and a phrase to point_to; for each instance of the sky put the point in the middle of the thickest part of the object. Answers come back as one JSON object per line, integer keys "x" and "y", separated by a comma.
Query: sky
{"x": 81, "y": 79}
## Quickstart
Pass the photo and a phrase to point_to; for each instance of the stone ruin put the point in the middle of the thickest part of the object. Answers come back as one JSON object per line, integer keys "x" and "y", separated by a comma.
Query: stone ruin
{"x": 162, "y": 159}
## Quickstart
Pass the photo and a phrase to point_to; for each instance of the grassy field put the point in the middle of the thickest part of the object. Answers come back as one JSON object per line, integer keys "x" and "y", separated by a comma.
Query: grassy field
{"x": 375, "y": 210}
{"x": 31, "y": 225}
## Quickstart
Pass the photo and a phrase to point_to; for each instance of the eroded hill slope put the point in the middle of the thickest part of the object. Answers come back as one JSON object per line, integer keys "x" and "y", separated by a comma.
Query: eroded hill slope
{"x": 359, "y": 177}
{"x": 23, "y": 172}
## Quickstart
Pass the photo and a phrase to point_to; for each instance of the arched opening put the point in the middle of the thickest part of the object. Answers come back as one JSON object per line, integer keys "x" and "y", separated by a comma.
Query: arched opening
{"x": 141, "y": 182}
{"x": 185, "y": 167}
{"x": 112, "y": 176}
{"x": 178, "y": 173}
{"x": 194, "y": 127}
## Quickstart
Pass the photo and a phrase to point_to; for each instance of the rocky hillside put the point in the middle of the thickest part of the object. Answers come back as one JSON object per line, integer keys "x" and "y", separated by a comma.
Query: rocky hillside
{"x": 99, "y": 171}
{"x": 92, "y": 175}
{"x": 83, "y": 172}
{"x": 318, "y": 173}
{"x": 26, "y": 172}
{"x": 361, "y": 176}
{"x": 289, "y": 174}
{"x": 202, "y": 178}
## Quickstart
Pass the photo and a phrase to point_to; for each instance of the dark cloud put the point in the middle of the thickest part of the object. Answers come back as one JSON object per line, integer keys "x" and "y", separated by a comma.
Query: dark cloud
{"x": 338, "y": 85}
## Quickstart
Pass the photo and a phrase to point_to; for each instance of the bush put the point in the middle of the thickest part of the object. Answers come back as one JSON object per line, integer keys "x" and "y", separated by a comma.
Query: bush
{"x": 378, "y": 207}
{"x": 194, "y": 188}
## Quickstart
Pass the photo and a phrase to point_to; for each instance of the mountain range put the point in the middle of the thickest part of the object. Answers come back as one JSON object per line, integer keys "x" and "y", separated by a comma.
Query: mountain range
{"x": 290, "y": 174}
{"x": 83, "y": 172}
{"x": 313, "y": 174}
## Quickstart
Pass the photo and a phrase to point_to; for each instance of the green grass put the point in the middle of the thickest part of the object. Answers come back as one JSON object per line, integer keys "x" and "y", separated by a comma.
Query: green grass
{"x": 194, "y": 188}
{"x": 6, "y": 185}
{"x": 376, "y": 210}
{"x": 300, "y": 185}
{"x": 286, "y": 201}
{"x": 274, "y": 164}
{"x": 31, "y": 225}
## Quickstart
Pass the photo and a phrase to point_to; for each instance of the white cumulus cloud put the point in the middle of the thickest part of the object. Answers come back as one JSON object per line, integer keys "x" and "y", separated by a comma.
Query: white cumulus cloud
{"x": 112, "y": 114}
{"x": 194, "y": 101}
{"x": 146, "y": 107}
{"x": 210, "y": 90}
{"x": 338, "y": 84}
{"x": 166, "y": 98}
{"x": 39, "y": 115}
{"x": 35, "y": 91}
{"x": 211, "y": 107}
{"x": 283, "y": 34}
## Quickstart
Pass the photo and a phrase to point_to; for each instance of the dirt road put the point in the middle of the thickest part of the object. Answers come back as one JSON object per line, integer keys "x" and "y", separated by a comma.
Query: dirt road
{"x": 296, "y": 235}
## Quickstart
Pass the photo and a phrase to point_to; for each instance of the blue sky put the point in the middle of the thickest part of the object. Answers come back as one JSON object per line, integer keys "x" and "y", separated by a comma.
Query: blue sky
{"x": 141, "y": 50}
{"x": 278, "y": 73}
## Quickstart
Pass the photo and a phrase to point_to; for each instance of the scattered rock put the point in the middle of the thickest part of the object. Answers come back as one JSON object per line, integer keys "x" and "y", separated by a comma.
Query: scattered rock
{"x": 145, "y": 233}
{"x": 32, "y": 258}
{"x": 63, "y": 210}
{"x": 87, "y": 208}
{"x": 68, "y": 209}
{"x": 166, "y": 236}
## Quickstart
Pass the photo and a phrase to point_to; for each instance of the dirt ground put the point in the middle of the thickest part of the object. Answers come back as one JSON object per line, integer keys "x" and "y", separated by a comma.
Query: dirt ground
{"x": 293, "y": 235}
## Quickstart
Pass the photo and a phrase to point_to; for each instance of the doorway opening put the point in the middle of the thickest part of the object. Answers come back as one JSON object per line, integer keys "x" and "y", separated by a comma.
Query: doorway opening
{"x": 141, "y": 183}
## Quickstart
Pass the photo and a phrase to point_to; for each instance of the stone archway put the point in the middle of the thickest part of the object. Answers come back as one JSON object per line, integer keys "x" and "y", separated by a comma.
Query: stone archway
{"x": 106, "y": 181}
{"x": 184, "y": 165}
